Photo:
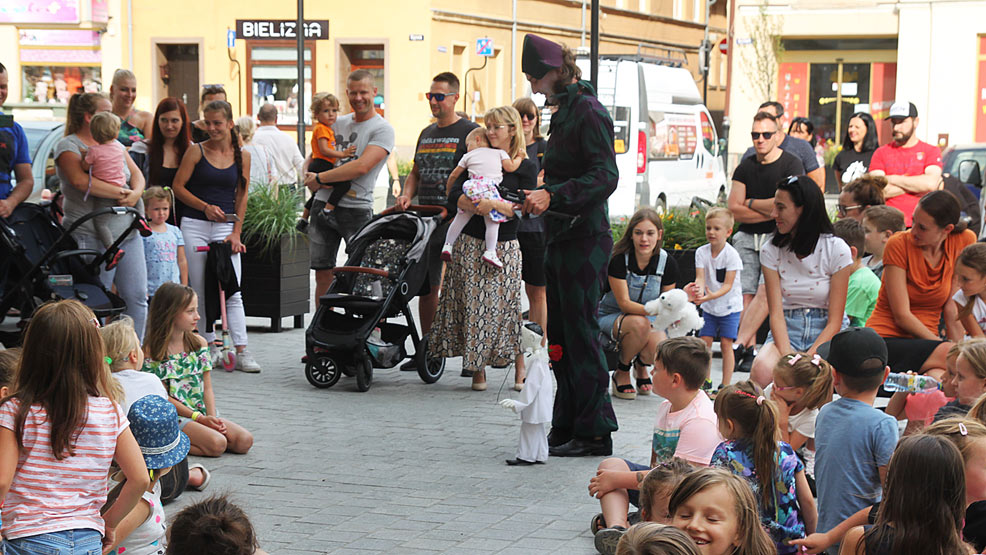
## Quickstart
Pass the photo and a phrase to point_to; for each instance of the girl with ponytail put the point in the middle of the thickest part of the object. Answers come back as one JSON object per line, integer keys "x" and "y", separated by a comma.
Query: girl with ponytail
{"x": 753, "y": 451}
{"x": 211, "y": 186}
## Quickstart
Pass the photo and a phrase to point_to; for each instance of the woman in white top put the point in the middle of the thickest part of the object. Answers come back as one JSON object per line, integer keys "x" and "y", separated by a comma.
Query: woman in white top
{"x": 261, "y": 162}
{"x": 806, "y": 272}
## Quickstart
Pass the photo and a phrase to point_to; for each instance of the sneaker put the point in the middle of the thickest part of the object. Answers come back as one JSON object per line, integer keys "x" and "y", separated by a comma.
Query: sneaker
{"x": 447, "y": 253}
{"x": 302, "y": 225}
{"x": 215, "y": 354}
{"x": 329, "y": 218}
{"x": 607, "y": 538}
{"x": 246, "y": 363}
{"x": 492, "y": 259}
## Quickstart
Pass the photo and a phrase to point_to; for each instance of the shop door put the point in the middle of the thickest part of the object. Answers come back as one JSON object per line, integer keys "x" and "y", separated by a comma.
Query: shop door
{"x": 181, "y": 74}
{"x": 371, "y": 58}
{"x": 829, "y": 110}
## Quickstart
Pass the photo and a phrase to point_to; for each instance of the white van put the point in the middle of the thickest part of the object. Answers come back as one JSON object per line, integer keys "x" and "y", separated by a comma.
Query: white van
{"x": 667, "y": 150}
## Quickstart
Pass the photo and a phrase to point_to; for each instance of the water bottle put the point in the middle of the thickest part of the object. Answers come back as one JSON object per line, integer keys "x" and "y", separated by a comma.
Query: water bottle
{"x": 911, "y": 383}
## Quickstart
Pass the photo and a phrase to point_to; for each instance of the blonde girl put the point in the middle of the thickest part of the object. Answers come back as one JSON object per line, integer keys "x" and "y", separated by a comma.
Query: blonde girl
{"x": 179, "y": 357}
{"x": 164, "y": 249}
{"x": 650, "y": 538}
{"x": 58, "y": 435}
{"x": 802, "y": 384}
{"x": 969, "y": 379}
{"x": 970, "y": 276}
{"x": 753, "y": 450}
{"x": 719, "y": 513}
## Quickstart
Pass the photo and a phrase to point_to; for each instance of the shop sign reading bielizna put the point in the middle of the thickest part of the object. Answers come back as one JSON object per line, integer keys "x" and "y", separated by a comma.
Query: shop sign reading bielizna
{"x": 280, "y": 29}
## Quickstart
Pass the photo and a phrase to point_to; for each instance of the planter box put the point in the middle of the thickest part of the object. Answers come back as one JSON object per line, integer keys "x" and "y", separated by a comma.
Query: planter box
{"x": 277, "y": 284}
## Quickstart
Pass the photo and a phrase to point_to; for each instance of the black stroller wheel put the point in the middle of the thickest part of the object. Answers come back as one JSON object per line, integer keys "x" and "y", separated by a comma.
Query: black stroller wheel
{"x": 364, "y": 373}
{"x": 323, "y": 372}
{"x": 429, "y": 368}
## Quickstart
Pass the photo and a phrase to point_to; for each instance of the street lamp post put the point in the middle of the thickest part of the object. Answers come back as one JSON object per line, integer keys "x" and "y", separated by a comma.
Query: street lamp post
{"x": 301, "y": 76}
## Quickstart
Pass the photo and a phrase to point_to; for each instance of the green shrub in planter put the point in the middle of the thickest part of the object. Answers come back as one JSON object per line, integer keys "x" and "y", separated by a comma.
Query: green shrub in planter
{"x": 271, "y": 214}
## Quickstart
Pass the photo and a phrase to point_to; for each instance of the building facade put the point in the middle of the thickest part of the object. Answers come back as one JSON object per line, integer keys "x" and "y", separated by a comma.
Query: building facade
{"x": 839, "y": 57}
{"x": 177, "y": 47}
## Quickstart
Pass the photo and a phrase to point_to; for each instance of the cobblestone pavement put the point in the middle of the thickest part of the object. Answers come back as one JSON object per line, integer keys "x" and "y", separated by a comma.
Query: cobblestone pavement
{"x": 404, "y": 468}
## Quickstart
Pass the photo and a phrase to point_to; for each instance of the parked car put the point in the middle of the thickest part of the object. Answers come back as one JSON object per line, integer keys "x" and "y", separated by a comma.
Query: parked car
{"x": 667, "y": 150}
{"x": 952, "y": 163}
{"x": 41, "y": 139}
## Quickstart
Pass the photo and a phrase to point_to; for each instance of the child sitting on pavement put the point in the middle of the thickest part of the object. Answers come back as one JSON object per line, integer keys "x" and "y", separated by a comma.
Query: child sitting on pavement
{"x": 686, "y": 427}
{"x": 864, "y": 286}
{"x": 154, "y": 422}
{"x": 215, "y": 525}
{"x": 853, "y": 440}
{"x": 124, "y": 355}
{"x": 879, "y": 224}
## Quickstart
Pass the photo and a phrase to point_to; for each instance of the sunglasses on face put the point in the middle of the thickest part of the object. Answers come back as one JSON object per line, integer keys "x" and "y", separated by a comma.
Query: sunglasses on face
{"x": 531, "y": 117}
{"x": 843, "y": 209}
{"x": 766, "y": 135}
{"x": 438, "y": 97}
{"x": 498, "y": 127}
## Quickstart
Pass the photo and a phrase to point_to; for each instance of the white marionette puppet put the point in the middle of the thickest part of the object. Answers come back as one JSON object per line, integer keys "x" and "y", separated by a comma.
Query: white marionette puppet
{"x": 535, "y": 402}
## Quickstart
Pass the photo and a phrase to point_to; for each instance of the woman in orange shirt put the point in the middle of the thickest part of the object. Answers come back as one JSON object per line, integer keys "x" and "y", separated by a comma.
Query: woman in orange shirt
{"x": 917, "y": 284}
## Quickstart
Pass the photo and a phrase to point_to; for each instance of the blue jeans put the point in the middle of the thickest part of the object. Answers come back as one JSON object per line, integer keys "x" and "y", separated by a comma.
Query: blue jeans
{"x": 82, "y": 541}
{"x": 804, "y": 325}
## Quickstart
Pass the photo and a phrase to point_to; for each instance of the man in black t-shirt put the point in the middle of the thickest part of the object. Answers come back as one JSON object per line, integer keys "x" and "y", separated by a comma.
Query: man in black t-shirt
{"x": 751, "y": 197}
{"x": 751, "y": 200}
{"x": 439, "y": 148}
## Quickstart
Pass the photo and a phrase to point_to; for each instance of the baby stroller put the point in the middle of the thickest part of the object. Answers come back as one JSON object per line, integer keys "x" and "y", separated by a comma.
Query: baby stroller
{"x": 40, "y": 262}
{"x": 388, "y": 262}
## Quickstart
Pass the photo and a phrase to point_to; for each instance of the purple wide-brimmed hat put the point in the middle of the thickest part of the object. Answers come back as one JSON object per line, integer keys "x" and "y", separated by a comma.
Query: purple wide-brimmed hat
{"x": 540, "y": 56}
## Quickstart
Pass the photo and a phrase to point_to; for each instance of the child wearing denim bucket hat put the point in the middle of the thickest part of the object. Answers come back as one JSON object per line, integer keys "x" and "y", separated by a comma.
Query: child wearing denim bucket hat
{"x": 154, "y": 422}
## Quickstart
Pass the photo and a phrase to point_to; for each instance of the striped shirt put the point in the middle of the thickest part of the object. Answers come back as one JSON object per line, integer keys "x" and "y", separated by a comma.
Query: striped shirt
{"x": 51, "y": 495}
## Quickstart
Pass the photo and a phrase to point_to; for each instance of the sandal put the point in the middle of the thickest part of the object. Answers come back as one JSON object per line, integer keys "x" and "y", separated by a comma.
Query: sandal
{"x": 644, "y": 385}
{"x": 597, "y": 523}
{"x": 623, "y": 391}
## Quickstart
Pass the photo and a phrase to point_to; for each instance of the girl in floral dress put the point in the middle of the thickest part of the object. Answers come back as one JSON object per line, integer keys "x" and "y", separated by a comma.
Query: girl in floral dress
{"x": 180, "y": 358}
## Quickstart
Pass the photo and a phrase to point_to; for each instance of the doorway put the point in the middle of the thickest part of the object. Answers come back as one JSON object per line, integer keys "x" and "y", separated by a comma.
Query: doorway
{"x": 178, "y": 74}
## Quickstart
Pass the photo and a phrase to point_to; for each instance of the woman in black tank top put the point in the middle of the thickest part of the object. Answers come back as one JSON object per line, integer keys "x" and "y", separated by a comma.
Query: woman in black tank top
{"x": 211, "y": 187}
{"x": 159, "y": 156}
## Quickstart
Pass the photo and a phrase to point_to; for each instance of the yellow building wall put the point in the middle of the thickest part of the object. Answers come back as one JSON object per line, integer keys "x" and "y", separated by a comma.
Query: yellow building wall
{"x": 450, "y": 28}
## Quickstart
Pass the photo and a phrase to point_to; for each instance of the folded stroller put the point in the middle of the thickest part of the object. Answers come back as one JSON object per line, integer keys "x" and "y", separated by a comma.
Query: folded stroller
{"x": 387, "y": 264}
{"x": 40, "y": 262}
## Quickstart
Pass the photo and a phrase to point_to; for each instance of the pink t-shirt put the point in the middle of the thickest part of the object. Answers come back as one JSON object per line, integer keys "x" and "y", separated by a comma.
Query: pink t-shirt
{"x": 485, "y": 162}
{"x": 107, "y": 162}
{"x": 895, "y": 160}
{"x": 51, "y": 495}
{"x": 691, "y": 433}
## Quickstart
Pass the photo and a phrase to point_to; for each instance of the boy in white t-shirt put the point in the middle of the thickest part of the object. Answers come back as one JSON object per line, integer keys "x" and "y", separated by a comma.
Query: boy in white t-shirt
{"x": 717, "y": 272}
{"x": 686, "y": 427}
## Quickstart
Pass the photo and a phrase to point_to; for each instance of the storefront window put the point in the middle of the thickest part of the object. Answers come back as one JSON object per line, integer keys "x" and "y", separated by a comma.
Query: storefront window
{"x": 273, "y": 74}
{"x": 822, "y": 99}
{"x": 52, "y": 84}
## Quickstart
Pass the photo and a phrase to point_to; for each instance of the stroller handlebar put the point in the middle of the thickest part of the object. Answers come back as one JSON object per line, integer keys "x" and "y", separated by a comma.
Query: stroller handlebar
{"x": 361, "y": 270}
{"x": 425, "y": 209}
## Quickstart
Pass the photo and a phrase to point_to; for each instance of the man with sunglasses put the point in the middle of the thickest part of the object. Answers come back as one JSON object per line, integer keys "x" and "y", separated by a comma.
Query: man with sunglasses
{"x": 751, "y": 200}
{"x": 800, "y": 148}
{"x": 439, "y": 148}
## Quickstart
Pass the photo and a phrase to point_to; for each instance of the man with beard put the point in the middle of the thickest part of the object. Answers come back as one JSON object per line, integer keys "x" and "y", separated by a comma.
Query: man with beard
{"x": 913, "y": 168}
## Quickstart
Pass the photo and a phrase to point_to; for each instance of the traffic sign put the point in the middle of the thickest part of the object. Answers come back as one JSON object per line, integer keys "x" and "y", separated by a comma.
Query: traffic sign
{"x": 484, "y": 47}
{"x": 230, "y": 38}
{"x": 724, "y": 46}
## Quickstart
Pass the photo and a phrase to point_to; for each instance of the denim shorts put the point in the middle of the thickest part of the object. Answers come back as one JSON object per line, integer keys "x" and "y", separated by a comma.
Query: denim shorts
{"x": 81, "y": 541}
{"x": 723, "y": 326}
{"x": 324, "y": 241}
{"x": 804, "y": 325}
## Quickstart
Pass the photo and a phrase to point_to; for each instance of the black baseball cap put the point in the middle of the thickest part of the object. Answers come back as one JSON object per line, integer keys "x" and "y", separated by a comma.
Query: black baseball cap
{"x": 851, "y": 348}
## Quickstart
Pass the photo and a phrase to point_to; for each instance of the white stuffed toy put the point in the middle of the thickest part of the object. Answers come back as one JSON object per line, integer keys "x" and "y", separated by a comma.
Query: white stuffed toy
{"x": 673, "y": 312}
{"x": 536, "y": 400}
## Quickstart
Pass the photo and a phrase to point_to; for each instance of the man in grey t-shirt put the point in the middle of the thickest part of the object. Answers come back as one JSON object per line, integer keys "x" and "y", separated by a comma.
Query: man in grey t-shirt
{"x": 374, "y": 140}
